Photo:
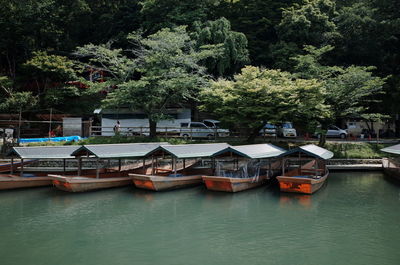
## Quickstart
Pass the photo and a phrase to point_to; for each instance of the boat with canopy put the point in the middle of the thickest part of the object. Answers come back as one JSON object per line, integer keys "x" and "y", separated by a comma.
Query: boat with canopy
{"x": 103, "y": 176}
{"x": 304, "y": 169}
{"x": 243, "y": 167}
{"x": 391, "y": 166}
{"x": 27, "y": 180}
{"x": 177, "y": 166}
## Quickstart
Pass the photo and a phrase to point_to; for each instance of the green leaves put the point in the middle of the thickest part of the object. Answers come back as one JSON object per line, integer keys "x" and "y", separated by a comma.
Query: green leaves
{"x": 256, "y": 96}
{"x": 350, "y": 91}
{"x": 156, "y": 72}
{"x": 233, "y": 52}
{"x": 17, "y": 101}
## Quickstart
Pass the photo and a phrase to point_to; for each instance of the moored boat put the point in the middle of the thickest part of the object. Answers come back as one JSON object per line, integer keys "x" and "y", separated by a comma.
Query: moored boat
{"x": 87, "y": 182}
{"x": 8, "y": 182}
{"x": 253, "y": 169}
{"x": 28, "y": 155}
{"x": 304, "y": 169}
{"x": 391, "y": 166}
{"x": 105, "y": 177}
{"x": 185, "y": 169}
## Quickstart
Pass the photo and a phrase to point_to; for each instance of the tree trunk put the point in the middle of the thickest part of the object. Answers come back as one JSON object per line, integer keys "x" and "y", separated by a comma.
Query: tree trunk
{"x": 252, "y": 136}
{"x": 153, "y": 128}
{"x": 322, "y": 140}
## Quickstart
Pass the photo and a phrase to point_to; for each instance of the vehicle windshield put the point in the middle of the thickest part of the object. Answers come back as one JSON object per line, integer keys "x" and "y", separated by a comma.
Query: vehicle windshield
{"x": 269, "y": 126}
{"x": 287, "y": 125}
{"x": 212, "y": 124}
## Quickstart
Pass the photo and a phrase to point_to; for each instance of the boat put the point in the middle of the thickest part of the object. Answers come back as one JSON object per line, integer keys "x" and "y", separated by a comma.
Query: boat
{"x": 243, "y": 167}
{"x": 28, "y": 155}
{"x": 177, "y": 166}
{"x": 8, "y": 182}
{"x": 391, "y": 166}
{"x": 105, "y": 177}
{"x": 89, "y": 182}
{"x": 304, "y": 169}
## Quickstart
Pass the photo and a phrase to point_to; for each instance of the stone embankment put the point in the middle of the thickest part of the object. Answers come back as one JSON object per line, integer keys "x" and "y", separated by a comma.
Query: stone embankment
{"x": 355, "y": 164}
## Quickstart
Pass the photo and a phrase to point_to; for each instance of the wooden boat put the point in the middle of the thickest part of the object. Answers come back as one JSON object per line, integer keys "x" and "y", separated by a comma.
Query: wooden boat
{"x": 391, "y": 168}
{"x": 306, "y": 184}
{"x": 158, "y": 179}
{"x": 159, "y": 183}
{"x": 106, "y": 178}
{"x": 235, "y": 178}
{"x": 15, "y": 182}
{"x": 308, "y": 176}
{"x": 187, "y": 173}
{"x": 87, "y": 183}
{"x": 233, "y": 184}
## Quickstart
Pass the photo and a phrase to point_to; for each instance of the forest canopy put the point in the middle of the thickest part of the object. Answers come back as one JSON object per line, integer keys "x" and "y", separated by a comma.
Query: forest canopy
{"x": 48, "y": 49}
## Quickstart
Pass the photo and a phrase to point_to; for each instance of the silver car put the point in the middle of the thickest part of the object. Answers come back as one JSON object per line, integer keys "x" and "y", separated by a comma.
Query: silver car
{"x": 334, "y": 131}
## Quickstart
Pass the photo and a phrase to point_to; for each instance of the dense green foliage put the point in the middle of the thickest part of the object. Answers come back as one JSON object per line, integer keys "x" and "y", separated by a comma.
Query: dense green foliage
{"x": 159, "y": 71}
{"x": 257, "y": 96}
{"x": 350, "y": 48}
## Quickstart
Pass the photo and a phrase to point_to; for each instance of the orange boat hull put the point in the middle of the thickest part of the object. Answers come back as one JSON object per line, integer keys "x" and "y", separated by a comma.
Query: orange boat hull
{"x": 300, "y": 185}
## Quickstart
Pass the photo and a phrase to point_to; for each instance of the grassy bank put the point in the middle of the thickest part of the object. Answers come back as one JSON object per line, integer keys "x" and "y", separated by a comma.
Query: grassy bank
{"x": 340, "y": 150}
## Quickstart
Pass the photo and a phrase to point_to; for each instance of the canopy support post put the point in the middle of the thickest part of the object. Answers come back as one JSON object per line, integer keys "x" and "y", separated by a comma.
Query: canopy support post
{"x": 144, "y": 166}
{"x": 156, "y": 163}
{"x": 175, "y": 166}
{"x": 184, "y": 163}
{"x": 22, "y": 167}
{"x": 299, "y": 163}
{"x": 12, "y": 165}
{"x": 79, "y": 166}
{"x": 119, "y": 165}
{"x": 213, "y": 165}
{"x": 283, "y": 166}
{"x": 97, "y": 168}
{"x": 152, "y": 164}
{"x": 64, "y": 171}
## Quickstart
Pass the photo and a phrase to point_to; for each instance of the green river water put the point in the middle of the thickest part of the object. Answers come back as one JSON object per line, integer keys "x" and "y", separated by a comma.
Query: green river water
{"x": 354, "y": 219}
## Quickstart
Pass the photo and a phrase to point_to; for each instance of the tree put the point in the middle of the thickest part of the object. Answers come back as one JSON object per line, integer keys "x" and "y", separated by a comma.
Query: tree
{"x": 311, "y": 23}
{"x": 351, "y": 92}
{"x": 235, "y": 54}
{"x": 158, "y": 14}
{"x": 12, "y": 100}
{"x": 257, "y": 96}
{"x": 158, "y": 71}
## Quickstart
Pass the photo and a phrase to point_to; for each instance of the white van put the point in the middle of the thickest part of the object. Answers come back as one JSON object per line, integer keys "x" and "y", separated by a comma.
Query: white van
{"x": 286, "y": 129}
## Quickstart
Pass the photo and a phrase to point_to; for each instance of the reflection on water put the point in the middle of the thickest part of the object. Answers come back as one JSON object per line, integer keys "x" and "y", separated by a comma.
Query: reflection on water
{"x": 295, "y": 199}
{"x": 354, "y": 219}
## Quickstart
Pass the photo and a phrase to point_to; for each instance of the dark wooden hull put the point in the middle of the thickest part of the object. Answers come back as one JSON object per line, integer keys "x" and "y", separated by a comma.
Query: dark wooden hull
{"x": 216, "y": 183}
{"x": 159, "y": 183}
{"x": 8, "y": 182}
{"x": 301, "y": 185}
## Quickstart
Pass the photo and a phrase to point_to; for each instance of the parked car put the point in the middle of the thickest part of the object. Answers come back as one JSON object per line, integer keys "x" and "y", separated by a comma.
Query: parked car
{"x": 286, "y": 129}
{"x": 268, "y": 130}
{"x": 198, "y": 130}
{"x": 334, "y": 131}
{"x": 215, "y": 124}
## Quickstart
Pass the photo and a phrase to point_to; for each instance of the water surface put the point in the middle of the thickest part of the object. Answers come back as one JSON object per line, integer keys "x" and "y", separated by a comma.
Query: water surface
{"x": 354, "y": 219}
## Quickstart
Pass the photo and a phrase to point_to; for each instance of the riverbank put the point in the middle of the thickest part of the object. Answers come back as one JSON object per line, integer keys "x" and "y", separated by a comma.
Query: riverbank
{"x": 341, "y": 150}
